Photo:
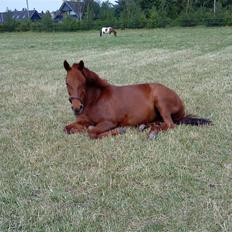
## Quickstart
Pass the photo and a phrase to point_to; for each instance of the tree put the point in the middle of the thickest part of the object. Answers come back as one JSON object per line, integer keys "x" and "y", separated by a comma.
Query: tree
{"x": 46, "y": 22}
{"x": 10, "y": 23}
{"x": 91, "y": 9}
{"x": 106, "y": 11}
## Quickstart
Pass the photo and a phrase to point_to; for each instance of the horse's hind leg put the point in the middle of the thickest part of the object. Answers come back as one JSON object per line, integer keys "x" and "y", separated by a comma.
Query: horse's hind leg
{"x": 163, "y": 126}
{"x": 144, "y": 126}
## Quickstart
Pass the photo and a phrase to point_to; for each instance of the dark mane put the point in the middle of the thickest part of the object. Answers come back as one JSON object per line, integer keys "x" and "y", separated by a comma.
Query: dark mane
{"x": 92, "y": 79}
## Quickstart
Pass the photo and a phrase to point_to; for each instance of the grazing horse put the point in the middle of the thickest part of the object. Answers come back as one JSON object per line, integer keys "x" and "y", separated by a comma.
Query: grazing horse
{"x": 103, "y": 109}
{"x": 108, "y": 30}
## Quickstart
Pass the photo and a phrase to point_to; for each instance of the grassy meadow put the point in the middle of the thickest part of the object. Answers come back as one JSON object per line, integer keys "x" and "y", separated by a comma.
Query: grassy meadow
{"x": 50, "y": 181}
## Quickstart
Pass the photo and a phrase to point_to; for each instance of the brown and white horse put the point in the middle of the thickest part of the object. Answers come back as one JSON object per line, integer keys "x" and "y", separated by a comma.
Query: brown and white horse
{"x": 108, "y": 30}
{"x": 103, "y": 109}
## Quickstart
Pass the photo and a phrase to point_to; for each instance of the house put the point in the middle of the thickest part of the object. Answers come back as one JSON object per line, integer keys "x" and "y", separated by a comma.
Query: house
{"x": 70, "y": 8}
{"x": 20, "y": 15}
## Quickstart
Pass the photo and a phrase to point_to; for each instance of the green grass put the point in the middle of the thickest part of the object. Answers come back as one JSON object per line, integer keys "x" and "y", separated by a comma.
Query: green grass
{"x": 50, "y": 181}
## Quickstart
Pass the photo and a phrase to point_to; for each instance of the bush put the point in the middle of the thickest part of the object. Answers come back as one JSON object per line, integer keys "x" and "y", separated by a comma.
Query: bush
{"x": 24, "y": 25}
{"x": 228, "y": 18}
{"x": 157, "y": 19}
{"x": 10, "y": 25}
{"x": 158, "y": 22}
{"x": 187, "y": 20}
{"x": 46, "y": 22}
{"x": 214, "y": 22}
{"x": 36, "y": 26}
{"x": 222, "y": 18}
{"x": 2, "y": 28}
{"x": 70, "y": 24}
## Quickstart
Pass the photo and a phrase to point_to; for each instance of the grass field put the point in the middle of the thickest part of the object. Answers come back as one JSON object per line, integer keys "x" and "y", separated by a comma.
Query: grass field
{"x": 50, "y": 181}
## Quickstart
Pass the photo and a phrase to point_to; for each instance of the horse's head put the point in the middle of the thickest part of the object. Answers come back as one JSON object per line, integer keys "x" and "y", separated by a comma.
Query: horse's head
{"x": 88, "y": 74}
{"x": 76, "y": 83}
{"x": 92, "y": 78}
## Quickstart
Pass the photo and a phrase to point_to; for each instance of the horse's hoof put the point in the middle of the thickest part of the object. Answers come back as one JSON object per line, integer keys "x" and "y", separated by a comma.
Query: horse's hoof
{"x": 152, "y": 135}
{"x": 70, "y": 130}
{"x": 142, "y": 127}
{"x": 121, "y": 130}
{"x": 67, "y": 130}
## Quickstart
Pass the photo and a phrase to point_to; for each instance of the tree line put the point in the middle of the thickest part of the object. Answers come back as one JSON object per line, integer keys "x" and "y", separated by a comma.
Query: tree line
{"x": 134, "y": 14}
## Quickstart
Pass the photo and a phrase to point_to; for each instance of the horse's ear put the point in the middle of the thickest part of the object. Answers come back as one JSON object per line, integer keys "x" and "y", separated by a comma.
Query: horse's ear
{"x": 81, "y": 65}
{"x": 66, "y": 66}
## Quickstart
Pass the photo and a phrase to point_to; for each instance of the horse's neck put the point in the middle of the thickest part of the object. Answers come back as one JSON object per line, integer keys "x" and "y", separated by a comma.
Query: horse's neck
{"x": 92, "y": 94}
{"x": 94, "y": 86}
{"x": 93, "y": 80}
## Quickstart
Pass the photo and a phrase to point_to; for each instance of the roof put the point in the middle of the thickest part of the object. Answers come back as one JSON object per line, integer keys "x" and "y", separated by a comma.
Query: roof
{"x": 75, "y": 5}
{"x": 69, "y": 6}
{"x": 19, "y": 15}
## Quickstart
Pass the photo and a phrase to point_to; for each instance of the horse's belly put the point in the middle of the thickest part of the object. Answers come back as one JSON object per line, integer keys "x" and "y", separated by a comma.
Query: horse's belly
{"x": 138, "y": 117}
{"x": 139, "y": 105}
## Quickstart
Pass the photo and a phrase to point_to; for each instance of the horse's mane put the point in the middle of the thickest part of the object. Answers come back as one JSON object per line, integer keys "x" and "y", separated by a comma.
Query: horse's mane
{"x": 92, "y": 79}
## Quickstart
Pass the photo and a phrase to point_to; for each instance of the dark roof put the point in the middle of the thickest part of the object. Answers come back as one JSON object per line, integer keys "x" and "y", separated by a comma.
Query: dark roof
{"x": 75, "y": 6}
{"x": 68, "y": 6}
{"x": 19, "y": 15}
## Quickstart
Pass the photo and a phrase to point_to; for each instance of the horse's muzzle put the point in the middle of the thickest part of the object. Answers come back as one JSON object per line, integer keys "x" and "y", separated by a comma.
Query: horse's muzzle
{"x": 79, "y": 110}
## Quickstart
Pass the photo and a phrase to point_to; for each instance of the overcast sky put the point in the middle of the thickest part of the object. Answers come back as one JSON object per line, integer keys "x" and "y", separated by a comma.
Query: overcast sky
{"x": 39, "y": 5}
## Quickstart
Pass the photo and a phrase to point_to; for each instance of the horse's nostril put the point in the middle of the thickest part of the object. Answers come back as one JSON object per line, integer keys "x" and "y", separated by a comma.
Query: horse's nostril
{"x": 78, "y": 110}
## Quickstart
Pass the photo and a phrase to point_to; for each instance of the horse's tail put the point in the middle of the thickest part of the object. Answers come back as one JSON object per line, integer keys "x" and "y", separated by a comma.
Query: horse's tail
{"x": 193, "y": 121}
{"x": 100, "y": 32}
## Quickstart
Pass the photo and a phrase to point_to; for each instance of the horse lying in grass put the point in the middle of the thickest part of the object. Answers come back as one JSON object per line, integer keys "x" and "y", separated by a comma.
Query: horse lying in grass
{"x": 108, "y": 30}
{"x": 103, "y": 109}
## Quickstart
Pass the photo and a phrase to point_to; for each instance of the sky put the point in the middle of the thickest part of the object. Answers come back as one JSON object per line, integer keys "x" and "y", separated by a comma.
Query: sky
{"x": 39, "y": 5}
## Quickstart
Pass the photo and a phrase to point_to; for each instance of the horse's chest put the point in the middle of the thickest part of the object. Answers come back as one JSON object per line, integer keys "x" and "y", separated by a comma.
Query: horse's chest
{"x": 99, "y": 112}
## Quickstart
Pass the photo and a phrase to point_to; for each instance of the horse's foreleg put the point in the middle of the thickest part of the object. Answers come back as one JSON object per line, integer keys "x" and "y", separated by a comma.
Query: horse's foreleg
{"x": 104, "y": 129}
{"x": 113, "y": 132}
{"x": 75, "y": 128}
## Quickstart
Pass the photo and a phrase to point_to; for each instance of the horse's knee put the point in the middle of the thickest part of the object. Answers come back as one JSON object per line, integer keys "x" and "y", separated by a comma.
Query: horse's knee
{"x": 92, "y": 132}
{"x": 70, "y": 130}
{"x": 93, "y": 135}
{"x": 167, "y": 126}
{"x": 74, "y": 128}
{"x": 170, "y": 125}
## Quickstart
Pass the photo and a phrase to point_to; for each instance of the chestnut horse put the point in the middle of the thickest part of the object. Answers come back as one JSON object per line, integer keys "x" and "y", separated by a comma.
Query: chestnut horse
{"x": 103, "y": 109}
{"x": 108, "y": 30}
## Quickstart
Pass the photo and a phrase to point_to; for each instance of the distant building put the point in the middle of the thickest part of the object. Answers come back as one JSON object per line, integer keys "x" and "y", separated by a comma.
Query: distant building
{"x": 70, "y": 8}
{"x": 20, "y": 15}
